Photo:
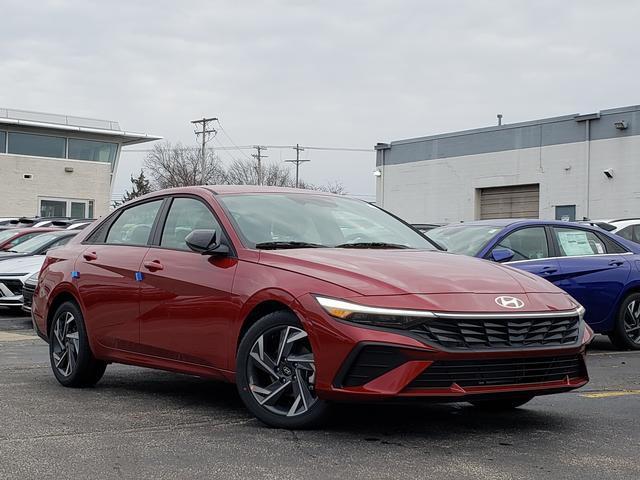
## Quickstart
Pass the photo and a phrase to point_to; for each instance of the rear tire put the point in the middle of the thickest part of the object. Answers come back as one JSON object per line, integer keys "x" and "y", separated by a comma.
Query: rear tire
{"x": 501, "y": 405}
{"x": 276, "y": 373}
{"x": 72, "y": 361}
{"x": 626, "y": 333}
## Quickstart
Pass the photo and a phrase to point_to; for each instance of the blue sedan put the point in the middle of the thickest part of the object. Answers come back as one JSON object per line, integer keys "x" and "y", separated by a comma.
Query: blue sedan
{"x": 600, "y": 270}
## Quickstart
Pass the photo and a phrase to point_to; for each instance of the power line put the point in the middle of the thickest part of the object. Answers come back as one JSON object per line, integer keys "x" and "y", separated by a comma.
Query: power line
{"x": 251, "y": 147}
{"x": 231, "y": 140}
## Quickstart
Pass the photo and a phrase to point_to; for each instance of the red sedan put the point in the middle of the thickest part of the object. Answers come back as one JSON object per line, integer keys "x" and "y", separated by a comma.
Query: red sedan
{"x": 301, "y": 298}
{"x": 12, "y": 237}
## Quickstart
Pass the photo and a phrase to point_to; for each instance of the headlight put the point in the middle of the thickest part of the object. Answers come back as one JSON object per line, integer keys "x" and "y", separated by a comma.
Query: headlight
{"x": 381, "y": 317}
{"x": 33, "y": 279}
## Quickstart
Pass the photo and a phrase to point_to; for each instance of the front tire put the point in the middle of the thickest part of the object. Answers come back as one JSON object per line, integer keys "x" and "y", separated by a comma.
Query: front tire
{"x": 276, "y": 373}
{"x": 626, "y": 333}
{"x": 72, "y": 361}
{"x": 502, "y": 404}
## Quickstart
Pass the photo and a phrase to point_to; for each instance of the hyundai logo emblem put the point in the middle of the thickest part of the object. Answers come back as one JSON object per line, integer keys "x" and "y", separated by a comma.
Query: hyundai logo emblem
{"x": 509, "y": 302}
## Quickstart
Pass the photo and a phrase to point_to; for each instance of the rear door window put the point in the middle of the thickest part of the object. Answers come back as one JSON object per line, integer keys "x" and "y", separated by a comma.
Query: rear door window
{"x": 574, "y": 242}
{"x": 133, "y": 226}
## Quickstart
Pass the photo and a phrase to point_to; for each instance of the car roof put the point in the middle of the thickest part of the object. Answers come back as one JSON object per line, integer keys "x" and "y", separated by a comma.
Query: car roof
{"x": 507, "y": 222}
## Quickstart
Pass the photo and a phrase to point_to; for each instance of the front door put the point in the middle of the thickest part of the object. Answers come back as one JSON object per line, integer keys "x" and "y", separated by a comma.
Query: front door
{"x": 186, "y": 302}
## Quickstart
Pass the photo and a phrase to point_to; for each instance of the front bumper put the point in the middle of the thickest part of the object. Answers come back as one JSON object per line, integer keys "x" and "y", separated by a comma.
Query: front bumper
{"x": 367, "y": 363}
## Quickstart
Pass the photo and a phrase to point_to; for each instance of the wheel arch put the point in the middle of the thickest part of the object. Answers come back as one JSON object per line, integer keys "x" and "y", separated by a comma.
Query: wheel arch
{"x": 57, "y": 299}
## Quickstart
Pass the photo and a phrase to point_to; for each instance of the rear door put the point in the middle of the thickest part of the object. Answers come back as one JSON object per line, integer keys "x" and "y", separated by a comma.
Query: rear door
{"x": 593, "y": 269}
{"x": 107, "y": 274}
{"x": 186, "y": 301}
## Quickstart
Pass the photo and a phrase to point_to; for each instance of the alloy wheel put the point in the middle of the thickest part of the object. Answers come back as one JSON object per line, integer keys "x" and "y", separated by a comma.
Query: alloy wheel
{"x": 281, "y": 371}
{"x": 632, "y": 321}
{"x": 66, "y": 343}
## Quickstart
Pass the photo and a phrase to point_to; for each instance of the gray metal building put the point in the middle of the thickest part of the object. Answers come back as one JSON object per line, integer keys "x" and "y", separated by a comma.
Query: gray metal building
{"x": 566, "y": 167}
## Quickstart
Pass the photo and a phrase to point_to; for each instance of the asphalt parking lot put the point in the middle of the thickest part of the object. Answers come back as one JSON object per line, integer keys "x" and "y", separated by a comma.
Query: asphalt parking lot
{"x": 142, "y": 424}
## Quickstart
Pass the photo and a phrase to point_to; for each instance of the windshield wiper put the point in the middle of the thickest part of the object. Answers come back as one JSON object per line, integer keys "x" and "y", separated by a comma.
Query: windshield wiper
{"x": 371, "y": 245}
{"x": 278, "y": 245}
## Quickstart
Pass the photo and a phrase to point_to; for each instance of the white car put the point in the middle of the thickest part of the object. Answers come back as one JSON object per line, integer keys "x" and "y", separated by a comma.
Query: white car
{"x": 14, "y": 274}
{"x": 628, "y": 228}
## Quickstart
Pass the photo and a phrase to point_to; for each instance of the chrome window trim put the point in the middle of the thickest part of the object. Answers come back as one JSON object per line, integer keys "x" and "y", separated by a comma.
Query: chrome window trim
{"x": 569, "y": 256}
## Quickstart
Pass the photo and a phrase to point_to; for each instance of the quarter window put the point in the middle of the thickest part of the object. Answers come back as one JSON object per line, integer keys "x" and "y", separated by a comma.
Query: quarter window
{"x": 186, "y": 215}
{"x": 574, "y": 242}
{"x": 526, "y": 243}
{"x": 133, "y": 226}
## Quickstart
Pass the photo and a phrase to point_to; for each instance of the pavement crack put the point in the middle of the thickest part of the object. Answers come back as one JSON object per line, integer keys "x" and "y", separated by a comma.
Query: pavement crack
{"x": 155, "y": 428}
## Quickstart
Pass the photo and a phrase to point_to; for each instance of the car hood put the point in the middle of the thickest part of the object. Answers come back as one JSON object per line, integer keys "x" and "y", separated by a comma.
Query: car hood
{"x": 28, "y": 265}
{"x": 398, "y": 272}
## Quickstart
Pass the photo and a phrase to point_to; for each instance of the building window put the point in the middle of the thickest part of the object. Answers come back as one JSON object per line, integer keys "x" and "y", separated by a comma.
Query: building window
{"x": 92, "y": 150}
{"x": 37, "y": 145}
{"x": 3, "y": 141}
{"x": 62, "y": 207}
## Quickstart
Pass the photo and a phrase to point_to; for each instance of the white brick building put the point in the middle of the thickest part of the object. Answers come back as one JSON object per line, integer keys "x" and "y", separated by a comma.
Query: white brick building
{"x": 57, "y": 165}
{"x": 572, "y": 166}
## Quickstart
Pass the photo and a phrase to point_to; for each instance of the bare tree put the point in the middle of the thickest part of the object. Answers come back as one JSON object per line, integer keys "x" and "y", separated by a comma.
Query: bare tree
{"x": 245, "y": 172}
{"x": 178, "y": 166}
{"x": 333, "y": 186}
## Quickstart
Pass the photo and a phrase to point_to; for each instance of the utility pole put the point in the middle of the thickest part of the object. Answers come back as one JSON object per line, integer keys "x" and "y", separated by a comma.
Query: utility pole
{"x": 298, "y": 161}
{"x": 258, "y": 156}
{"x": 205, "y": 134}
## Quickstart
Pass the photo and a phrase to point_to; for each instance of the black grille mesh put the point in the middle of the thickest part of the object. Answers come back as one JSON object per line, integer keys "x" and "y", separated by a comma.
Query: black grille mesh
{"x": 510, "y": 371}
{"x": 14, "y": 285}
{"x": 472, "y": 333}
{"x": 371, "y": 362}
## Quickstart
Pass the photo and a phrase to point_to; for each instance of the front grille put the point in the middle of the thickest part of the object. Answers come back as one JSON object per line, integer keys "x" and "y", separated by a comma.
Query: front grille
{"x": 371, "y": 362}
{"x": 481, "y": 333}
{"x": 13, "y": 285}
{"x": 27, "y": 295}
{"x": 510, "y": 371}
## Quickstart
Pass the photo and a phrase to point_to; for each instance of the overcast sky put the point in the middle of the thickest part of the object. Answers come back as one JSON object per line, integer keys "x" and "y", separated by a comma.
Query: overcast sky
{"x": 329, "y": 73}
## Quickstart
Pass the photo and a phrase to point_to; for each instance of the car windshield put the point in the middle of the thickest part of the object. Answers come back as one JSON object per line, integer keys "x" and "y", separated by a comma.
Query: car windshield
{"x": 464, "y": 239}
{"x": 297, "y": 220}
{"x": 36, "y": 243}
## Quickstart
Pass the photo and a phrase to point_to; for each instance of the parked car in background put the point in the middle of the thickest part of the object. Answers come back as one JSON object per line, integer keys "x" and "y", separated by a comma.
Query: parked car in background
{"x": 599, "y": 269}
{"x": 628, "y": 228}
{"x": 14, "y": 274}
{"x": 284, "y": 292}
{"x": 39, "y": 245}
{"x": 13, "y": 237}
{"x": 425, "y": 227}
{"x": 6, "y": 221}
{"x": 75, "y": 224}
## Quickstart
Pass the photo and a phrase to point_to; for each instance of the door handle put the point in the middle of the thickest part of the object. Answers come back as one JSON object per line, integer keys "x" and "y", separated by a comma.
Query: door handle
{"x": 616, "y": 263}
{"x": 548, "y": 270}
{"x": 88, "y": 256}
{"x": 154, "y": 265}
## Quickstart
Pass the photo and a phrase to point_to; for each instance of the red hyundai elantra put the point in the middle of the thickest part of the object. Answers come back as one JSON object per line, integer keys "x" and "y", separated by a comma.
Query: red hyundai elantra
{"x": 301, "y": 298}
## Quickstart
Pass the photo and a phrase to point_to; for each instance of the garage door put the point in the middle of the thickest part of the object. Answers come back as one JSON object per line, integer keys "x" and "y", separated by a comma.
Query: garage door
{"x": 517, "y": 201}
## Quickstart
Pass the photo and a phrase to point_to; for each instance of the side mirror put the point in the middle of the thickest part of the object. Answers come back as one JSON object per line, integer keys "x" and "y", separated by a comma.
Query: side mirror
{"x": 501, "y": 255}
{"x": 205, "y": 242}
